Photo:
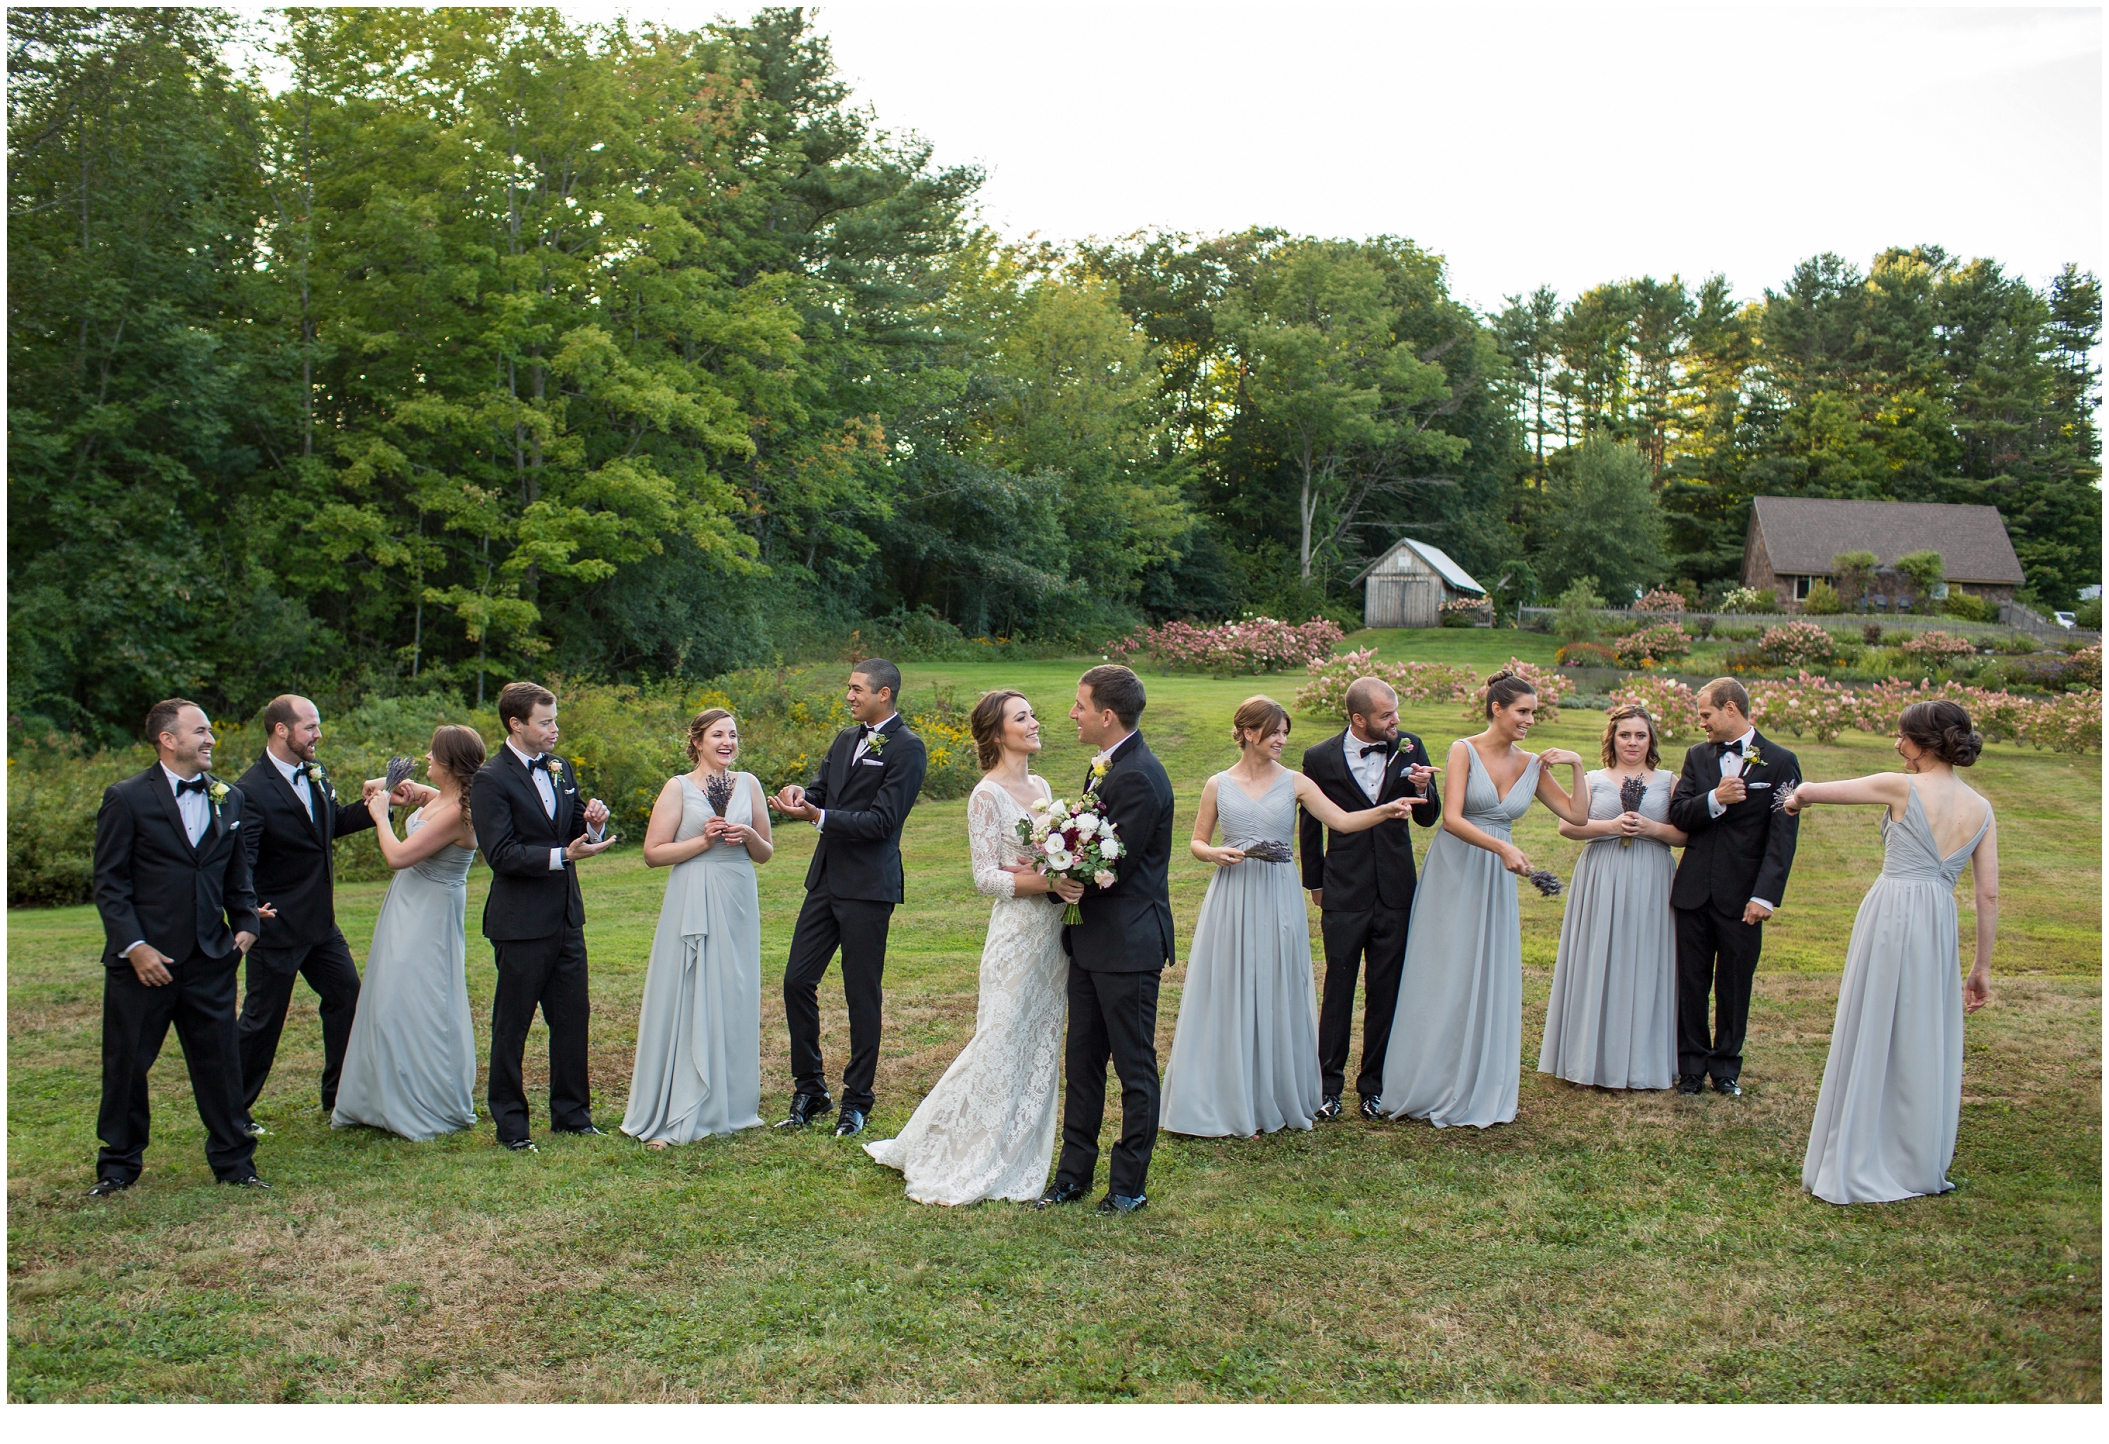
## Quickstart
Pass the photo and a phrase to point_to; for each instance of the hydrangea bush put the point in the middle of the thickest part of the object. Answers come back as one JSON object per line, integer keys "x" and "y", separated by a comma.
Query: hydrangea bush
{"x": 1651, "y": 645}
{"x": 1796, "y": 644}
{"x": 1325, "y": 694}
{"x": 1662, "y": 599}
{"x": 1934, "y": 648}
{"x": 1230, "y": 649}
{"x": 1674, "y": 706}
{"x": 1809, "y": 705}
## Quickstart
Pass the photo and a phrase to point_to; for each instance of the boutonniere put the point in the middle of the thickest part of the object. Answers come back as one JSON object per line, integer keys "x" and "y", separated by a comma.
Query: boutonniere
{"x": 1101, "y": 764}
{"x": 1753, "y": 758}
{"x": 875, "y": 743}
{"x": 314, "y": 772}
{"x": 216, "y": 790}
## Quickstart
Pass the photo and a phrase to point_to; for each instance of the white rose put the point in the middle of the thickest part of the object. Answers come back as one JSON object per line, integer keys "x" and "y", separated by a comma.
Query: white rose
{"x": 1058, "y": 808}
{"x": 1059, "y": 861}
{"x": 1039, "y": 804}
{"x": 1103, "y": 877}
{"x": 1109, "y": 847}
{"x": 1086, "y": 824}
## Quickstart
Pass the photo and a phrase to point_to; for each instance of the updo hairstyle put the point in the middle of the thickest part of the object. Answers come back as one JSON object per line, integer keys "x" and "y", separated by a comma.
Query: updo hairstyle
{"x": 1503, "y": 688}
{"x": 1261, "y": 716}
{"x": 699, "y": 729}
{"x": 986, "y": 723}
{"x": 1943, "y": 729}
{"x": 1625, "y": 712}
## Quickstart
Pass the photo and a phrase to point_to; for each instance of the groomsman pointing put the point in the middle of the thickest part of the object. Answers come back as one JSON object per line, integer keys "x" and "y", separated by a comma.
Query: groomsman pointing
{"x": 1363, "y": 882}
{"x": 172, "y": 886}
{"x": 295, "y": 820}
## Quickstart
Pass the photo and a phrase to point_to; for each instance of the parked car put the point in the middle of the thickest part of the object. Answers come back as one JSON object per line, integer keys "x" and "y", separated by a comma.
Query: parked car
{"x": 2063, "y": 619}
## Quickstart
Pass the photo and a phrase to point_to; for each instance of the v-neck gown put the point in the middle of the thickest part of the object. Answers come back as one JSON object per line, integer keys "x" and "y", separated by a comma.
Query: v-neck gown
{"x": 1893, "y": 1085}
{"x": 1457, "y": 1036}
{"x": 1245, "y": 1055}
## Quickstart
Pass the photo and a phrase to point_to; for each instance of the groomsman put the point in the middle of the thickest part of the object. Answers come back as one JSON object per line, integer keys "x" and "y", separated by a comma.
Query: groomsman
{"x": 1733, "y": 877}
{"x": 172, "y": 886}
{"x": 1362, "y": 882}
{"x": 532, "y": 831}
{"x": 859, "y": 801}
{"x": 294, "y": 822}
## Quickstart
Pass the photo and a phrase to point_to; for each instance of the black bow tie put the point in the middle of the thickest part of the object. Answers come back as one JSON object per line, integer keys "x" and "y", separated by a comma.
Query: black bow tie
{"x": 1724, "y": 748}
{"x": 196, "y": 784}
{"x": 1383, "y": 747}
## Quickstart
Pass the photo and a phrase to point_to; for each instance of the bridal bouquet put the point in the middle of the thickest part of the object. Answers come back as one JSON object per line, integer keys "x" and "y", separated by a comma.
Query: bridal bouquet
{"x": 1075, "y": 842}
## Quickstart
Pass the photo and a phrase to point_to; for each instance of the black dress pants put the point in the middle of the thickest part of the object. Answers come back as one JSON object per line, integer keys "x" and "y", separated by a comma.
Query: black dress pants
{"x": 549, "y": 973}
{"x": 1111, "y": 1015}
{"x": 1716, "y": 952}
{"x": 199, "y": 1001}
{"x": 857, "y": 927}
{"x": 329, "y": 969}
{"x": 1377, "y": 934}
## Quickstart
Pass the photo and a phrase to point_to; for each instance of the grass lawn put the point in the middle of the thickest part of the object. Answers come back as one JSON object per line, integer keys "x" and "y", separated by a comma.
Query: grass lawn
{"x": 1603, "y": 1246}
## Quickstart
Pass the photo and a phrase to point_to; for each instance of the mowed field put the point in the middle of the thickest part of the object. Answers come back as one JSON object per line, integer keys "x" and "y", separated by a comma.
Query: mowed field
{"x": 1603, "y": 1246}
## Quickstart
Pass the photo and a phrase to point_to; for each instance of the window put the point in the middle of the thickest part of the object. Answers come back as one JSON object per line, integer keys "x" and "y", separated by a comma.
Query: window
{"x": 1801, "y": 588}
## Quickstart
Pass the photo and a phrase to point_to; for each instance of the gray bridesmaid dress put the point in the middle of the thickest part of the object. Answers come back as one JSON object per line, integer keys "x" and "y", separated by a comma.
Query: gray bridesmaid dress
{"x": 1457, "y": 1036}
{"x": 1892, "y": 1092}
{"x": 699, "y": 1029}
{"x": 1612, "y": 1019}
{"x": 410, "y": 1065}
{"x": 1245, "y": 1055}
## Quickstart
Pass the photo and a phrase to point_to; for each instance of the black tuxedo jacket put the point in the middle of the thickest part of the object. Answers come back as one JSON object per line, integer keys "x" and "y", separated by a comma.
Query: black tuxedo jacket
{"x": 291, "y": 854}
{"x": 527, "y": 899}
{"x": 866, "y": 800}
{"x": 151, "y": 883}
{"x": 1748, "y": 850}
{"x": 1127, "y": 928}
{"x": 1360, "y": 870}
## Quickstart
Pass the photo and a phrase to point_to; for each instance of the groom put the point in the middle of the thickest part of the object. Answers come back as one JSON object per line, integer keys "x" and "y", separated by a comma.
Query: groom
{"x": 1118, "y": 952}
{"x": 859, "y": 802}
{"x": 532, "y": 831}
{"x": 1732, "y": 878}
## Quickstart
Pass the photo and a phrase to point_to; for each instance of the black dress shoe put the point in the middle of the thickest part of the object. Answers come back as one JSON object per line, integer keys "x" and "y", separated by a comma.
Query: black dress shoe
{"x": 1373, "y": 1108}
{"x": 521, "y": 1145}
{"x": 104, "y": 1187}
{"x": 1688, "y": 1083}
{"x": 1114, "y": 1203}
{"x": 589, "y": 1131}
{"x": 1330, "y": 1108}
{"x": 1059, "y": 1193}
{"x": 805, "y": 1107}
{"x": 252, "y": 1181}
{"x": 851, "y": 1123}
{"x": 1726, "y": 1087}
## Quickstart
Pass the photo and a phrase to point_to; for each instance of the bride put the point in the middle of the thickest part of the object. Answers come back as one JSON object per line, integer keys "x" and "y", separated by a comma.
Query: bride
{"x": 987, "y": 1130}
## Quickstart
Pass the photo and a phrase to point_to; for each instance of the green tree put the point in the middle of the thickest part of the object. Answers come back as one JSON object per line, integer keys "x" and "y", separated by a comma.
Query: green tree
{"x": 1602, "y": 522}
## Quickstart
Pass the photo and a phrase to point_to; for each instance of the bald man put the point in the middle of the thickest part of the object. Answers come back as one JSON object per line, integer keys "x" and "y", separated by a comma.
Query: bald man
{"x": 296, "y": 820}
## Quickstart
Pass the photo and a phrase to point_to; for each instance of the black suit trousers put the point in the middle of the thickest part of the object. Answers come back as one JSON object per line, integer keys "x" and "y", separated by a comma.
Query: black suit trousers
{"x": 1376, "y": 934}
{"x": 199, "y": 1001}
{"x": 329, "y": 969}
{"x": 549, "y": 973}
{"x": 1719, "y": 953}
{"x": 858, "y": 927}
{"x": 1111, "y": 1016}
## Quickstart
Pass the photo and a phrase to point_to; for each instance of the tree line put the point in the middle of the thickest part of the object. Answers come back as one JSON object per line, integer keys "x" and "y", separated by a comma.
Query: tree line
{"x": 488, "y": 341}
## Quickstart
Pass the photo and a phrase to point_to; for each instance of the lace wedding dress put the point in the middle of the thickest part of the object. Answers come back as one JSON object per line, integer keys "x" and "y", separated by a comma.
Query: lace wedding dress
{"x": 987, "y": 1130}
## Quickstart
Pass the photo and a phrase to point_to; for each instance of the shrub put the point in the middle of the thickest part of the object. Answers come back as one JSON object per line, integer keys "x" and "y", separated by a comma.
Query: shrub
{"x": 1654, "y": 644}
{"x": 2084, "y": 668}
{"x": 1550, "y": 686}
{"x": 1466, "y": 612}
{"x": 1935, "y": 648}
{"x": 1740, "y": 599}
{"x": 1325, "y": 694}
{"x": 1926, "y": 569}
{"x": 1662, "y": 599}
{"x": 1585, "y": 654}
{"x": 1576, "y": 619}
{"x": 2088, "y": 614}
{"x": 1808, "y": 703}
{"x": 1822, "y": 601}
{"x": 1871, "y": 633}
{"x": 1674, "y": 706}
{"x": 1970, "y": 609}
{"x": 2016, "y": 644}
{"x": 1231, "y": 649}
{"x": 1796, "y": 644}
{"x": 1704, "y": 626}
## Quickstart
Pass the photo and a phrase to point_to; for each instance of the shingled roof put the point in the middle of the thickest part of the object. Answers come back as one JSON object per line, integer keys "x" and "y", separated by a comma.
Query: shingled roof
{"x": 1803, "y": 533}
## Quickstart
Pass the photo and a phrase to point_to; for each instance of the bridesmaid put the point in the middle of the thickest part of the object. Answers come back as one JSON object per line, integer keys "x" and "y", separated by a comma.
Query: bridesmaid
{"x": 1457, "y": 1037}
{"x": 1611, "y": 1021}
{"x": 699, "y": 1030}
{"x": 410, "y": 1066}
{"x": 1245, "y": 1055}
{"x": 1893, "y": 1085}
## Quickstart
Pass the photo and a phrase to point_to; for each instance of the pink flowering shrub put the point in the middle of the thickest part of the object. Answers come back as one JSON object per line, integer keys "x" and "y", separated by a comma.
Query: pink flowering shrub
{"x": 1796, "y": 644}
{"x": 1653, "y": 644}
{"x": 1545, "y": 681}
{"x": 1934, "y": 648}
{"x": 1808, "y": 704}
{"x": 2085, "y": 667}
{"x": 1231, "y": 649}
{"x": 1325, "y": 695}
{"x": 1662, "y": 599}
{"x": 1674, "y": 706}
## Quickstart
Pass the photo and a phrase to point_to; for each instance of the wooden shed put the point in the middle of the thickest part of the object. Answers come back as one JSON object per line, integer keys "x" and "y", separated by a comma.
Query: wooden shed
{"x": 1407, "y": 586}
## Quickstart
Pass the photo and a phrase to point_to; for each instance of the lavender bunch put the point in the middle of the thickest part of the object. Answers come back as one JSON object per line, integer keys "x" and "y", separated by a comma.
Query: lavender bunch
{"x": 718, "y": 792}
{"x": 1631, "y": 793}
{"x": 1548, "y": 884}
{"x": 399, "y": 770}
{"x": 1781, "y": 793}
{"x": 1269, "y": 852}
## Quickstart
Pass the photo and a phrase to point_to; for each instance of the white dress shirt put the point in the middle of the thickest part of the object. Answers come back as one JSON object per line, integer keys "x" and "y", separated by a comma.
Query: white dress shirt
{"x": 196, "y": 809}
{"x": 1367, "y": 771}
{"x": 296, "y": 773}
{"x": 1715, "y": 807}
{"x": 547, "y": 789}
{"x": 856, "y": 756}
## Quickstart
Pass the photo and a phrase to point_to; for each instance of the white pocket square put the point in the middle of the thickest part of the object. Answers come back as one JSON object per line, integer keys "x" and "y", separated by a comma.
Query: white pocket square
{"x": 234, "y": 824}
{"x": 869, "y": 762}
